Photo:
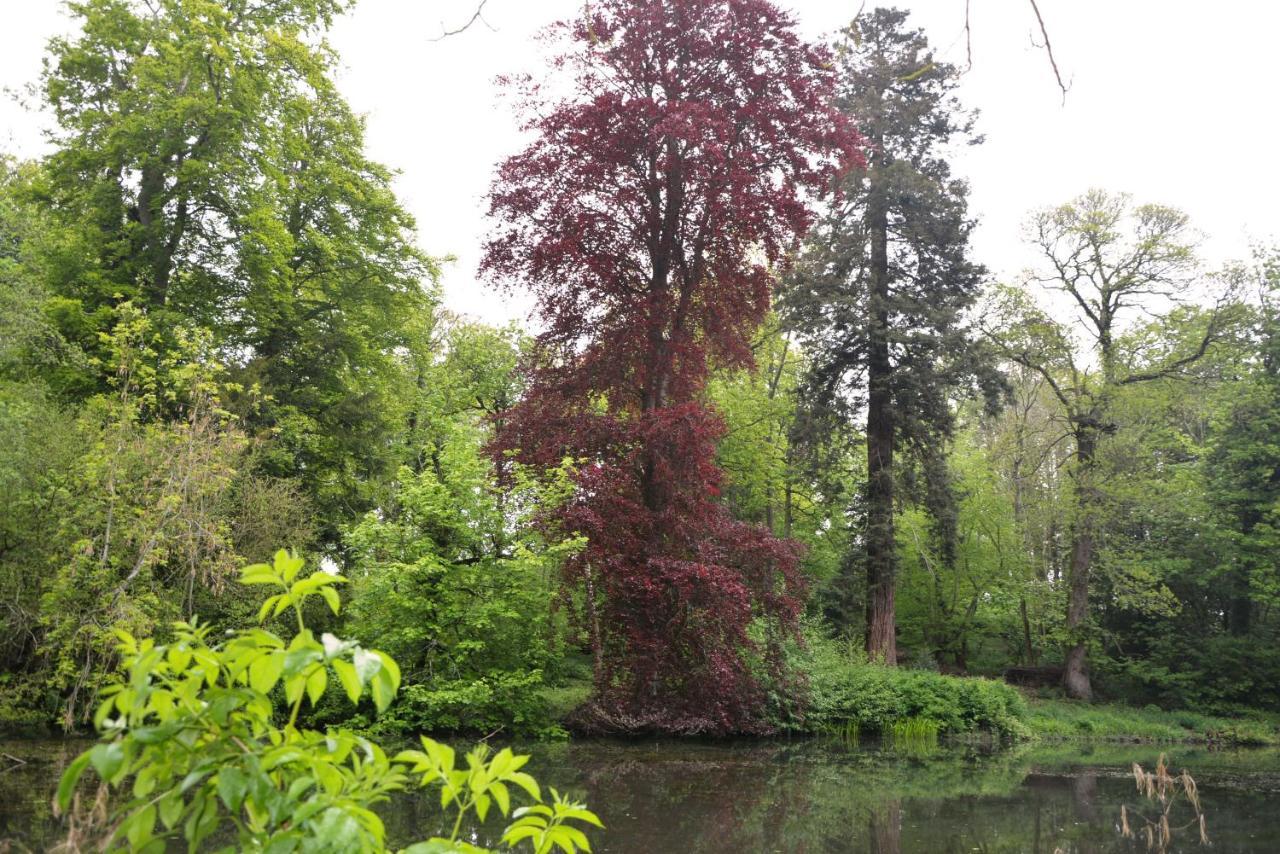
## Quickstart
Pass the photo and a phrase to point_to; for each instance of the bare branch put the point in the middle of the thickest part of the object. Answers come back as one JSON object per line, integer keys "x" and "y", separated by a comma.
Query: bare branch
{"x": 968, "y": 41}
{"x": 477, "y": 16}
{"x": 1044, "y": 33}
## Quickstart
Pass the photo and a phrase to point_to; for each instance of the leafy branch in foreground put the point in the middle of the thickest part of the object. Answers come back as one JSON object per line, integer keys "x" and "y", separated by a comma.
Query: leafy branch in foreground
{"x": 191, "y": 749}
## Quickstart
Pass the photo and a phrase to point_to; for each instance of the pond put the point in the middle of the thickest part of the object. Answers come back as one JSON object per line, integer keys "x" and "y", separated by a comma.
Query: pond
{"x": 816, "y": 796}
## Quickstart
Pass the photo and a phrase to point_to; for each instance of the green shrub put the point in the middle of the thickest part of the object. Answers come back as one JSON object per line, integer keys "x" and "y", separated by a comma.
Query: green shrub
{"x": 513, "y": 703}
{"x": 192, "y": 748}
{"x": 843, "y": 689}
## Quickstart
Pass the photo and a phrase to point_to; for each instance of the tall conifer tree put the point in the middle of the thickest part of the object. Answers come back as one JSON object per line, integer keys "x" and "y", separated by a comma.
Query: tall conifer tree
{"x": 880, "y": 293}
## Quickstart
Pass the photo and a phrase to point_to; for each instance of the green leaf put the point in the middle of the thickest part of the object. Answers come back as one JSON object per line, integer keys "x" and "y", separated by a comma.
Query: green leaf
{"x": 390, "y": 667}
{"x": 286, "y": 565}
{"x": 107, "y": 759}
{"x": 502, "y": 796}
{"x": 193, "y": 778}
{"x": 67, "y": 785}
{"x": 349, "y": 678}
{"x": 298, "y": 660}
{"x": 293, "y": 688}
{"x": 138, "y": 827}
{"x": 201, "y": 822}
{"x": 575, "y": 836}
{"x": 331, "y": 596}
{"x": 258, "y": 573}
{"x": 265, "y": 610}
{"x": 380, "y": 690}
{"x": 265, "y": 671}
{"x": 233, "y": 784}
{"x": 316, "y": 683}
{"x": 171, "y": 806}
{"x": 527, "y": 783}
{"x": 581, "y": 814}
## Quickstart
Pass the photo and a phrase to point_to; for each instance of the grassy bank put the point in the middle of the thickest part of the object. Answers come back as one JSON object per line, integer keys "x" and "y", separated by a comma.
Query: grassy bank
{"x": 1065, "y": 720}
{"x": 848, "y": 695}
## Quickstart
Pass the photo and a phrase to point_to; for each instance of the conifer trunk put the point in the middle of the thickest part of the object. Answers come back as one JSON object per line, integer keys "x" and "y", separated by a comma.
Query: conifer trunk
{"x": 881, "y": 635}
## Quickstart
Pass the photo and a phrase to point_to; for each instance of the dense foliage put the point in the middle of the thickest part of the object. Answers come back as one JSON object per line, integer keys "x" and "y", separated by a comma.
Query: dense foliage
{"x": 668, "y": 505}
{"x": 647, "y": 218}
{"x": 880, "y": 295}
{"x": 190, "y": 730}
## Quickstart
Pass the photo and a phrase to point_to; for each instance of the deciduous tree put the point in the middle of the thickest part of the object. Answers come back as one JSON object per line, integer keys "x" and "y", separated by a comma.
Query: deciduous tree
{"x": 1112, "y": 261}
{"x": 647, "y": 217}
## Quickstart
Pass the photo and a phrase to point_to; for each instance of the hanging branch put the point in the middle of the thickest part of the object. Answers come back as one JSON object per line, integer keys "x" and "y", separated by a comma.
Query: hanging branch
{"x": 477, "y": 16}
{"x": 1044, "y": 34}
{"x": 1048, "y": 47}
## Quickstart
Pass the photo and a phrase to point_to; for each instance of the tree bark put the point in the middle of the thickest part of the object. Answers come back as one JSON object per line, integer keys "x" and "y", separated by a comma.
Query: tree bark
{"x": 1075, "y": 675}
{"x": 880, "y": 545}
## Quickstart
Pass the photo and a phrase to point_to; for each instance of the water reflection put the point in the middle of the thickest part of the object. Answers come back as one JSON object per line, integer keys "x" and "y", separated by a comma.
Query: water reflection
{"x": 808, "y": 797}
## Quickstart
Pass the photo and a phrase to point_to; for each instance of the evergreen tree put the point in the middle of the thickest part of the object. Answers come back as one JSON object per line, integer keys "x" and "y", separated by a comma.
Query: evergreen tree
{"x": 880, "y": 292}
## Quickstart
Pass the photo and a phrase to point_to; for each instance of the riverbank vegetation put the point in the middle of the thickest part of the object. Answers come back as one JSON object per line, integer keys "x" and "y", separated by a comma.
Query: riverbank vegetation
{"x": 769, "y": 458}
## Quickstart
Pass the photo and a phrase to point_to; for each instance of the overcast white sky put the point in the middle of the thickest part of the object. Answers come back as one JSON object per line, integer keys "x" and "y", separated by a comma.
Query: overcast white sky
{"x": 1174, "y": 101}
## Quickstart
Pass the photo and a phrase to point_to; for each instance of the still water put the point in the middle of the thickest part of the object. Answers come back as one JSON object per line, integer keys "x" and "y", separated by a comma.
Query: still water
{"x": 815, "y": 796}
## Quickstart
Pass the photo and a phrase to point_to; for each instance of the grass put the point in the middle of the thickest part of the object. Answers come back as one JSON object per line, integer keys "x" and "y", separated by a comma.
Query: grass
{"x": 1064, "y": 720}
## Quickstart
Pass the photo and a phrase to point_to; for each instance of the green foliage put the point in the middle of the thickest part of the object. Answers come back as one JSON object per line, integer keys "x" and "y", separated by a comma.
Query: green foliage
{"x": 845, "y": 690}
{"x": 776, "y": 473}
{"x": 489, "y": 782}
{"x": 208, "y": 171}
{"x": 962, "y": 592}
{"x": 1075, "y": 721}
{"x": 191, "y": 748}
{"x": 453, "y": 575}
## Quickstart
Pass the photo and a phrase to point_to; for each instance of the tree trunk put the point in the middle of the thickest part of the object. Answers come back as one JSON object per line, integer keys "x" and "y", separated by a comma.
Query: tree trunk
{"x": 881, "y": 642}
{"x": 593, "y": 630}
{"x": 1239, "y": 617}
{"x": 1075, "y": 675}
{"x": 1028, "y": 651}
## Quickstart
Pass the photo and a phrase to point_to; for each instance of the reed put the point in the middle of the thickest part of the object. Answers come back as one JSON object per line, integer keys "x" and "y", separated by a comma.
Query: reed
{"x": 1163, "y": 790}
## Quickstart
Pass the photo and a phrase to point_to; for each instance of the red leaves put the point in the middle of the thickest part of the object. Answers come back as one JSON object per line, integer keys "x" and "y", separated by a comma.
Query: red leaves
{"x": 646, "y": 217}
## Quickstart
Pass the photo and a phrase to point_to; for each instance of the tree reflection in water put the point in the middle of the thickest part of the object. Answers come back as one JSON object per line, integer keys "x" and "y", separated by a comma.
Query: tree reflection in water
{"x": 815, "y": 797}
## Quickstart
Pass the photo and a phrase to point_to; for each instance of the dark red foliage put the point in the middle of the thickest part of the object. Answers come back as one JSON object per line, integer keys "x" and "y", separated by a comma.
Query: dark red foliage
{"x": 649, "y": 216}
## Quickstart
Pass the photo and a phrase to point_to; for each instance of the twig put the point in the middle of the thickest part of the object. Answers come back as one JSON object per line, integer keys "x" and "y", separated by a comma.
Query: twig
{"x": 477, "y": 16}
{"x": 17, "y": 763}
{"x": 968, "y": 41}
{"x": 1044, "y": 33}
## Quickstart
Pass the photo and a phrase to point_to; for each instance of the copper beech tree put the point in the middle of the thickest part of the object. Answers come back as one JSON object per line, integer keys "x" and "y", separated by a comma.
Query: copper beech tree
{"x": 648, "y": 217}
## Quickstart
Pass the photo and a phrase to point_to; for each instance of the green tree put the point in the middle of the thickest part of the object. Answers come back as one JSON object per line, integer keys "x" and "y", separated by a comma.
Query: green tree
{"x": 772, "y": 476}
{"x": 1112, "y": 261}
{"x": 959, "y": 588}
{"x": 207, "y": 172}
{"x": 880, "y": 292}
{"x": 1243, "y": 466}
{"x": 452, "y": 574}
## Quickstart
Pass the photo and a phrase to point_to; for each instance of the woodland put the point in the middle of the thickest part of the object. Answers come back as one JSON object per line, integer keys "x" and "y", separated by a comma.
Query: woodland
{"x": 775, "y": 452}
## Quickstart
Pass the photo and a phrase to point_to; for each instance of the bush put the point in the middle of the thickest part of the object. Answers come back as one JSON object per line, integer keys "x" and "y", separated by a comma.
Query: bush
{"x": 844, "y": 690}
{"x": 192, "y": 748}
{"x": 513, "y": 703}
